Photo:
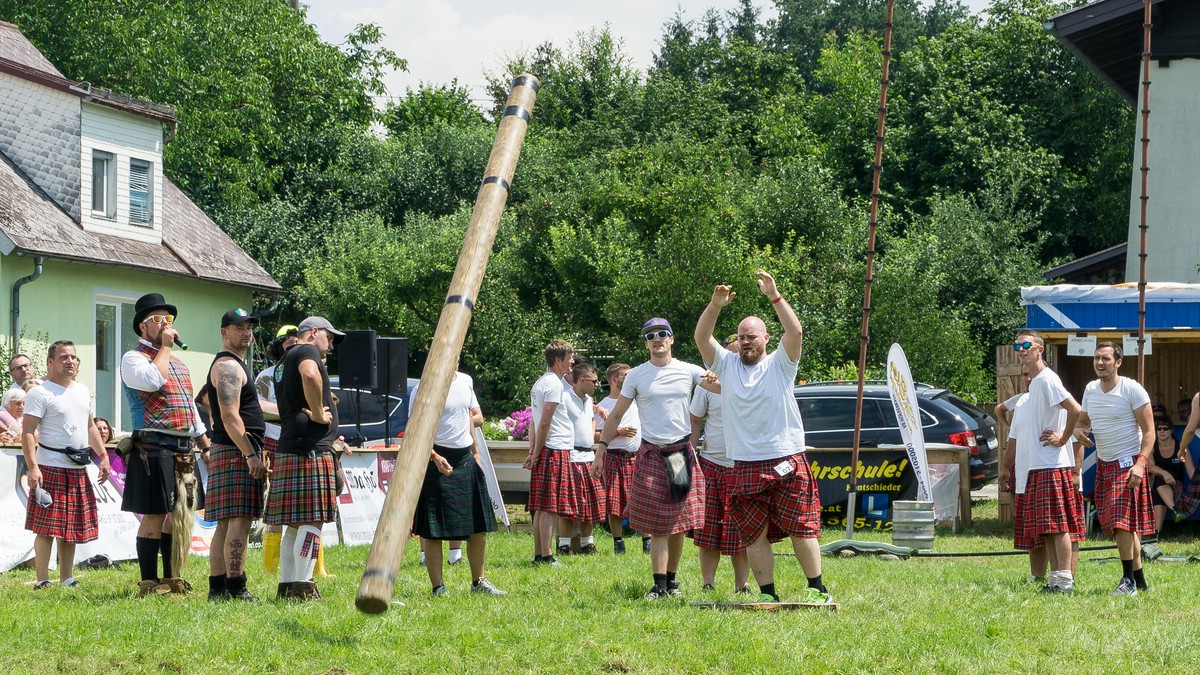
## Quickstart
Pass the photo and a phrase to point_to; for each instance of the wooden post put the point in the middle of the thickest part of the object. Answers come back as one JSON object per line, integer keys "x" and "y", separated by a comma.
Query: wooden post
{"x": 395, "y": 522}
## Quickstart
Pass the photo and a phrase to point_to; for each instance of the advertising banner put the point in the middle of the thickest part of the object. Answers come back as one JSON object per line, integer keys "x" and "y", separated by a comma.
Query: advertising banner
{"x": 884, "y": 476}
{"x": 908, "y": 414}
{"x": 359, "y": 505}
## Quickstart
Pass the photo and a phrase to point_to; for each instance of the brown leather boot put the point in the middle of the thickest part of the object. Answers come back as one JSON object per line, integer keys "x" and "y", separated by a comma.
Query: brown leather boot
{"x": 302, "y": 591}
{"x": 152, "y": 587}
{"x": 177, "y": 585}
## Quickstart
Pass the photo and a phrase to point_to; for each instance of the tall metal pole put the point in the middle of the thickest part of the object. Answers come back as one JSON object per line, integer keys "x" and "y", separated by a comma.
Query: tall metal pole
{"x": 864, "y": 338}
{"x": 1145, "y": 226}
{"x": 395, "y": 522}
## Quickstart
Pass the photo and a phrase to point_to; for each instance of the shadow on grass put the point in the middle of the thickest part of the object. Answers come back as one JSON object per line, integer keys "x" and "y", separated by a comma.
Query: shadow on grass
{"x": 302, "y": 632}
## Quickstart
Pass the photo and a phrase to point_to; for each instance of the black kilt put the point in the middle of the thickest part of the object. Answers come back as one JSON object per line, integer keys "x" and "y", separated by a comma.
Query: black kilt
{"x": 455, "y": 506}
{"x": 152, "y": 493}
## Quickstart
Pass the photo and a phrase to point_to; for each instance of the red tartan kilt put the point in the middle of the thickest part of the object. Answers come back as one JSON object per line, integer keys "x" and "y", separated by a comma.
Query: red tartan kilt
{"x": 270, "y": 446}
{"x": 231, "y": 492}
{"x": 1050, "y": 505}
{"x": 1119, "y": 506}
{"x": 72, "y": 517}
{"x": 785, "y": 506}
{"x": 1025, "y": 534}
{"x": 618, "y": 478}
{"x": 719, "y": 533}
{"x": 587, "y": 494}
{"x": 549, "y": 482}
{"x": 651, "y": 510}
{"x": 1079, "y": 532}
{"x": 302, "y": 490}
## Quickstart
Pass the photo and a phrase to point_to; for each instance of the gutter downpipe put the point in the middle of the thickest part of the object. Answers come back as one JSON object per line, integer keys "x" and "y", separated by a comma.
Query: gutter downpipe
{"x": 16, "y": 298}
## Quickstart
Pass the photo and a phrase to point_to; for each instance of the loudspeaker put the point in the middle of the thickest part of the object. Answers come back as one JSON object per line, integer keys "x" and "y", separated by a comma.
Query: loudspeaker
{"x": 392, "y": 366}
{"x": 357, "y": 355}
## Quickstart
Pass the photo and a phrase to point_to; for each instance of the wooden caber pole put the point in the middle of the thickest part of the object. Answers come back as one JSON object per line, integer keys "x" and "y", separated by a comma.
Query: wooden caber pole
{"x": 864, "y": 337}
{"x": 1147, "y": 25}
{"x": 395, "y": 522}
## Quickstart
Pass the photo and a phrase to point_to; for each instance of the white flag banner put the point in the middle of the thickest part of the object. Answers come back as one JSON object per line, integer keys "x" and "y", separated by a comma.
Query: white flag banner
{"x": 908, "y": 415}
{"x": 489, "y": 475}
{"x": 361, "y": 501}
{"x": 16, "y": 543}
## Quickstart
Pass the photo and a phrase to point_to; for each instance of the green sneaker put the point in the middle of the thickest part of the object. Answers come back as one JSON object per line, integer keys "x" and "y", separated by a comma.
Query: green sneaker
{"x": 813, "y": 596}
{"x": 767, "y": 597}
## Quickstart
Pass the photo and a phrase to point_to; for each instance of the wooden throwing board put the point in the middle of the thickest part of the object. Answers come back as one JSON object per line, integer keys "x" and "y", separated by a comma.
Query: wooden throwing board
{"x": 768, "y": 606}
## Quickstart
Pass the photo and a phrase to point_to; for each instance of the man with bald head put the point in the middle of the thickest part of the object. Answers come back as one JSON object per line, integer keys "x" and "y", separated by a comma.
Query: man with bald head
{"x": 772, "y": 492}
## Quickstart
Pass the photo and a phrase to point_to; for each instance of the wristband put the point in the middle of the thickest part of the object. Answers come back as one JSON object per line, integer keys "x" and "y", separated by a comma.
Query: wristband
{"x": 602, "y": 443}
{"x": 777, "y": 300}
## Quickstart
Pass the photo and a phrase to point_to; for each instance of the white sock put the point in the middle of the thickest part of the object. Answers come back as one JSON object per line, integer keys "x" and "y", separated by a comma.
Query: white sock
{"x": 308, "y": 543}
{"x": 584, "y": 541}
{"x": 564, "y": 541}
{"x": 455, "y": 555}
{"x": 287, "y": 556}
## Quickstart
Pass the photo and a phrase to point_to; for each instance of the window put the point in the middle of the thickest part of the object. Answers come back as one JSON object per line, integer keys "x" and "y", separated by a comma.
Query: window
{"x": 104, "y": 184}
{"x": 141, "y": 196}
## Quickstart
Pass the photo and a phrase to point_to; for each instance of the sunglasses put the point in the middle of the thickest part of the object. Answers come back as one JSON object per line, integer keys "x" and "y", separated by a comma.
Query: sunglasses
{"x": 160, "y": 319}
{"x": 662, "y": 334}
{"x": 1163, "y": 428}
{"x": 1023, "y": 345}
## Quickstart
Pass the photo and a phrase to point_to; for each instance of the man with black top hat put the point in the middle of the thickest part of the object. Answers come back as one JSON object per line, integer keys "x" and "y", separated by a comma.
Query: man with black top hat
{"x": 235, "y": 467}
{"x": 303, "y": 495}
{"x": 166, "y": 427}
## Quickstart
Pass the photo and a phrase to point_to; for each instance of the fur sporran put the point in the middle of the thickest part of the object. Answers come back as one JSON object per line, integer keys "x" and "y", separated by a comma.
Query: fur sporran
{"x": 183, "y": 515}
{"x": 679, "y": 473}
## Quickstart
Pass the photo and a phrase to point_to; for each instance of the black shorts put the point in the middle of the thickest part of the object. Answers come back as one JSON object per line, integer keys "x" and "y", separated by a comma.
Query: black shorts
{"x": 152, "y": 493}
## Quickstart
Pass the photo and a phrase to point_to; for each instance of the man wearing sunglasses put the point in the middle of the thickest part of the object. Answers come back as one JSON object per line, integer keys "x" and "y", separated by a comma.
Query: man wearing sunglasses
{"x": 772, "y": 494}
{"x": 167, "y": 426}
{"x": 1042, "y": 470}
{"x": 667, "y": 496}
{"x": 1117, "y": 409}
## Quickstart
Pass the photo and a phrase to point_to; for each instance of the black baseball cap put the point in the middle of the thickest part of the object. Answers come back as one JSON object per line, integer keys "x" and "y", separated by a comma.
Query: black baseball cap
{"x": 237, "y": 316}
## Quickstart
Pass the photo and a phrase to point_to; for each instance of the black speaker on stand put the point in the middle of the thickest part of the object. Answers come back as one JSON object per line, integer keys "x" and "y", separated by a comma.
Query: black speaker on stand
{"x": 392, "y": 378}
{"x": 358, "y": 367}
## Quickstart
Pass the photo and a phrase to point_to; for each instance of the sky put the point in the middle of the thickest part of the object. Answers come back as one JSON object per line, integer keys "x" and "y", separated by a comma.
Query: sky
{"x": 447, "y": 39}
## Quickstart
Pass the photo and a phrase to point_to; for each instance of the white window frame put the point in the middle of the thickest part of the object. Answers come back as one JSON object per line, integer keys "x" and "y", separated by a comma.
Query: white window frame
{"x": 104, "y": 185}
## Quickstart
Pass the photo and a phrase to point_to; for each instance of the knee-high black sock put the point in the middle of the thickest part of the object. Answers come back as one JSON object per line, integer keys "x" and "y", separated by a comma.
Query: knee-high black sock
{"x": 769, "y": 589}
{"x": 166, "y": 554}
{"x": 815, "y": 582}
{"x": 1127, "y": 569}
{"x": 1139, "y": 578}
{"x": 147, "y": 555}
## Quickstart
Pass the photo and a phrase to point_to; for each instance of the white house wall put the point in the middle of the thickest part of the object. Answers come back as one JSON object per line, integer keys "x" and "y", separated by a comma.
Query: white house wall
{"x": 126, "y": 136}
{"x": 1173, "y": 213}
{"x": 39, "y": 130}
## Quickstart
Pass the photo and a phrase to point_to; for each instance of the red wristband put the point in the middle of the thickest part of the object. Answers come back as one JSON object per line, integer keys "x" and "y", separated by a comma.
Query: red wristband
{"x": 776, "y": 300}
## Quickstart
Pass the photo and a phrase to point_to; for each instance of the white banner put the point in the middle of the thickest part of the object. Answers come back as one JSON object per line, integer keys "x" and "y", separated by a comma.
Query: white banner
{"x": 16, "y": 543}
{"x": 908, "y": 415}
{"x": 361, "y": 502}
{"x": 489, "y": 475}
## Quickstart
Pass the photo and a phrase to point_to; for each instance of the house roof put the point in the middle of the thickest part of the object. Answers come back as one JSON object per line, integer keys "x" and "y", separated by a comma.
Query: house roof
{"x": 192, "y": 244}
{"x": 1108, "y": 37}
{"x": 18, "y": 57}
{"x": 1090, "y": 262}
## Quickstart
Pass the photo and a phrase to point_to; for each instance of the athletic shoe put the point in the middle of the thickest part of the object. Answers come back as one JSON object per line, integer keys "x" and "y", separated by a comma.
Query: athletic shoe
{"x": 71, "y": 583}
{"x": 815, "y": 596}
{"x": 618, "y": 547}
{"x": 1031, "y": 579}
{"x": 1126, "y": 587}
{"x": 440, "y": 591}
{"x": 1143, "y": 588}
{"x": 766, "y": 597}
{"x": 658, "y": 593}
{"x": 1051, "y": 588}
{"x": 645, "y": 546}
{"x": 708, "y": 588}
{"x": 673, "y": 588}
{"x": 42, "y": 585}
{"x": 745, "y": 590}
{"x": 549, "y": 560}
{"x": 456, "y": 556}
{"x": 587, "y": 549}
{"x": 564, "y": 549}
{"x": 486, "y": 587}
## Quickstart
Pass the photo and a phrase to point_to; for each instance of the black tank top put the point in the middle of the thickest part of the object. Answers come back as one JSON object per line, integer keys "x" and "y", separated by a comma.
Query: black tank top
{"x": 248, "y": 408}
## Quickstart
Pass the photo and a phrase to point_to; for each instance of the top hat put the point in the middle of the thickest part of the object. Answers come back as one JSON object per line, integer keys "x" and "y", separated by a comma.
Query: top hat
{"x": 149, "y": 303}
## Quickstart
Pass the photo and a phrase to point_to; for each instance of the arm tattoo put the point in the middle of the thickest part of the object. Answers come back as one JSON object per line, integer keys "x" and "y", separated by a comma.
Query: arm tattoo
{"x": 229, "y": 383}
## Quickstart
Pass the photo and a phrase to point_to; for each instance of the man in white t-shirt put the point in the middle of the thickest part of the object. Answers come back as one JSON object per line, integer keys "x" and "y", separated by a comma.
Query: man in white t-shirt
{"x": 264, "y": 384}
{"x": 1117, "y": 409}
{"x": 618, "y": 462}
{"x": 667, "y": 498}
{"x": 550, "y": 443}
{"x": 773, "y": 493}
{"x": 59, "y": 430}
{"x": 719, "y": 534}
{"x": 586, "y": 490}
{"x": 1043, "y": 467}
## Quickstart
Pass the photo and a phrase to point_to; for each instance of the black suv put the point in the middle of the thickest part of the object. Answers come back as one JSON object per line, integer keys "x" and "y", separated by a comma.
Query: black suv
{"x": 361, "y": 414}
{"x": 827, "y": 409}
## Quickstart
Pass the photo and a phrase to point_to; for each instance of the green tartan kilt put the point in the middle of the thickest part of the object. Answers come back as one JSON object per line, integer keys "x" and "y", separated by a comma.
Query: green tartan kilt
{"x": 455, "y": 506}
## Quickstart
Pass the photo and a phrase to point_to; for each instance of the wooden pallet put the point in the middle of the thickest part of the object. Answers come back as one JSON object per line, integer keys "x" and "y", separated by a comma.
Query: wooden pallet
{"x": 768, "y": 606}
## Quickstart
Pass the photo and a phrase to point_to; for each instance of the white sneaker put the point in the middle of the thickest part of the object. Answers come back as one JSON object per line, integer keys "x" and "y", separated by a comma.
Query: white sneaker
{"x": 456, "y": 556}
{"x": 486, "y": 587}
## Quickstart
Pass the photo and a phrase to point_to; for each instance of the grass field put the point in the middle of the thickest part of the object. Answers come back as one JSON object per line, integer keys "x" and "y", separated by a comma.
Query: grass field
{"x": 961, "y": 615}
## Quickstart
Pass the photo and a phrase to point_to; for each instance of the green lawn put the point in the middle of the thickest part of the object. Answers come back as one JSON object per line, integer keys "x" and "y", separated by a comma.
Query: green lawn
{"x": 959, "y": 615}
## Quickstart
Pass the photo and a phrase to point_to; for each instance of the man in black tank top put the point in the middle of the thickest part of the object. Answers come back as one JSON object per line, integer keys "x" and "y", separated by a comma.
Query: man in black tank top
{"x": 235, "y": 466}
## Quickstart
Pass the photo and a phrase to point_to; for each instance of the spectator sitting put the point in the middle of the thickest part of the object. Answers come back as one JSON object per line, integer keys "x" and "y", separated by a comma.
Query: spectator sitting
{"x": 12, "y": 411}
{"x": 1170, "y": 466}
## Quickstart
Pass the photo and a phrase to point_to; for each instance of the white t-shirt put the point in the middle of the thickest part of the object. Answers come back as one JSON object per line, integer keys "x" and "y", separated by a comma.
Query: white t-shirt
{"x": 549, "y": 389}
{"x": 708, "y": 405}
{"x": 662, "y": 395}
{"x": 583, "y": 414}
{"x": 267, "y": 377}
{"x": 64, "y": 413}
{"x": 630, "y": 419}
{"x": 1041, "y": 411}
{"x": 454, "y": 428}
{"x": 1113, "y": 421}
{"x": 1012, "y": 404}
{"x": 762, "y": 419}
